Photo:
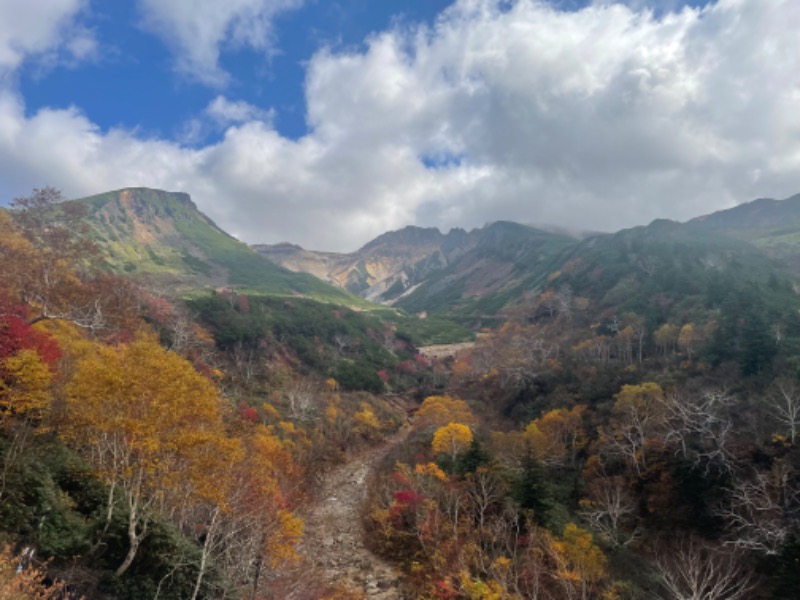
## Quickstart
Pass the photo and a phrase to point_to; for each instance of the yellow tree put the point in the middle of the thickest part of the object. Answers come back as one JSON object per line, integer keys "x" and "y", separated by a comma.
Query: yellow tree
{"x": 556, "y": 436}
{"x": 581, "y": 562}
{"x": 24, "y": 385}
{"x": 686, "y": 339}
{"x": 665, "y": 338}
{"x": 235, "y": 501}
{"x": 141, "y": 414}
{"x": 437, "y": 411}
{"x": 452, "y": 439}
{"x": 259, "y": 532}
{"x": 201, "y": 490}
{"x": 624, "y": 340}
{"x": 638, "y": 419}
{"x": 638, "y": 331}
{"x": 366, "y": 423}
{"x": 27, "y": 359}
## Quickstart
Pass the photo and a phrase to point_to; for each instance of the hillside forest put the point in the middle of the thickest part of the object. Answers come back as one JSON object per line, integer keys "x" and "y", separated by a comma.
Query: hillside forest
{"x": 627, "y": 428}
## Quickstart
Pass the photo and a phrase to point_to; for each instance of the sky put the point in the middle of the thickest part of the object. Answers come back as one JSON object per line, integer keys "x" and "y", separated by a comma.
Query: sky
{"x": 327, "y": 123}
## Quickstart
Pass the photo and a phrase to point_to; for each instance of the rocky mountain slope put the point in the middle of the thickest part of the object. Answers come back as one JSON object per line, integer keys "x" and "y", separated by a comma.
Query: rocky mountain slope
{"x": 384, "y": 268}
{"x": 423, "y": 269}
{"x": 163, "y": 239}
{"x": 333, "y": 545}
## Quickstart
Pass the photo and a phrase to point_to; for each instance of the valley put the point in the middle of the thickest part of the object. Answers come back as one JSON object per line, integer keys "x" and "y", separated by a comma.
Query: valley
{"x": 522, "y": 415}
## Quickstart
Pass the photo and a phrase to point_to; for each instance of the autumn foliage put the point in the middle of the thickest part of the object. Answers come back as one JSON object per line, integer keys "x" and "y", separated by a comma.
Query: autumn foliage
{"x": 23, "y": 579}
{"x": 78, "y": 364}
{"x": 599, "y": 444}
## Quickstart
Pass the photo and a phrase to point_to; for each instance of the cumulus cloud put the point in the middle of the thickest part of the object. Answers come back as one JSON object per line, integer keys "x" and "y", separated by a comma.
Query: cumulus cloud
{"x": 41, "y": 29}
{"x": 220, "y": 114}
{"x": 226, "y": 112}
{"x": 197, "y": 30}
{"x": 600, "y": 118}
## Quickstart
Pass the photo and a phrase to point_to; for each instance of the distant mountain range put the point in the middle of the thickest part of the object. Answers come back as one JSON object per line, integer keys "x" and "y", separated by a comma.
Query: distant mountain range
{"x": 418, "y": 269}
{"x": 472, "y": 276}
{"x": 482, "y": 272}
{"x": 764, "y": 214}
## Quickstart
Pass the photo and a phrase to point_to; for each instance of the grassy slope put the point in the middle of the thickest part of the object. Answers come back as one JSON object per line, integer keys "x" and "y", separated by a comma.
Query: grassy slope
{"x": 669, "y": 271}
{"x": 183, "y": 250}
{"x": 772, "y": 225}
{"x": 181, "y": 247}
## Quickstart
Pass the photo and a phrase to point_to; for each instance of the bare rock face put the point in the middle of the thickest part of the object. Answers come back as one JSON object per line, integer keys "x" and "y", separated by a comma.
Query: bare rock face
{"x": 383, "y": 269}
{"x": 410, "y": 268}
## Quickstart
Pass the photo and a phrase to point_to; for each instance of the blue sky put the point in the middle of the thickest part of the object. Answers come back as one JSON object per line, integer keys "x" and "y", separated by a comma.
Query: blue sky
{"x": 132, "y": 83}
{"x": 328, "y": 123}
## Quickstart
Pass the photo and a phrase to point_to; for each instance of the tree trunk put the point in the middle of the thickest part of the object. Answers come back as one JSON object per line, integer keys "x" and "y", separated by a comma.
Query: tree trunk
{"x": 207, "y": 545}
{"x": 109, "y": 507}
{"x": 134, "y": 535}
{"x": 135, "y": 539}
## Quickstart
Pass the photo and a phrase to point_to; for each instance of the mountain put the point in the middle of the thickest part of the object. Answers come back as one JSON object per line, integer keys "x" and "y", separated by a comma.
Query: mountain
{"x": 163, "y": 239}
{"x": 422, "y": 269}
{"x": 381, "y": 270}
{"x": 669, "y": 270}
{"x": 772, "y": 225}
{"x": 763, "y": 214}
{"x": 503, "y": 264}
{"x": 473, "y": 276}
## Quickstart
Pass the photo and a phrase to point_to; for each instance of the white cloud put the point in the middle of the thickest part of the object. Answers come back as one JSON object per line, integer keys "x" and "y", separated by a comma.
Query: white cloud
{"x": 42, "y": 29}
{"x": 217, "y": 116}
{"x": 198, "y": 30}
{"x": 226, "y": 112}
{"x": 602, "y": 118}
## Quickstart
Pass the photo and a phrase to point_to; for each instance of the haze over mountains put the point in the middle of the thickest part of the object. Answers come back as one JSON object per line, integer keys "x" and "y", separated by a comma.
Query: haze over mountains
{"x": 486, "y": 269}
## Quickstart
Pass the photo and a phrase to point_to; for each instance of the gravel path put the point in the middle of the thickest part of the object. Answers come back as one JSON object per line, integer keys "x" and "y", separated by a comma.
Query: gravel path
{"x": 333, "y": 545}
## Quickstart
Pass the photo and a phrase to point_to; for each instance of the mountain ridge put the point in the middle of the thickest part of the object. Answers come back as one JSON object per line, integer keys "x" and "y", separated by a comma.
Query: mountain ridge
{"x": 474, "y": 277}
{"x": 492, "y": 268}
{"x": 393, "y": 266}
{"x": 771, "y": 225}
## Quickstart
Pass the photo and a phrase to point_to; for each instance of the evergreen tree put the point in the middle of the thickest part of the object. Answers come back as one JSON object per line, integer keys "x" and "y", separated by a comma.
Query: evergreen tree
{"x": 474, "y": 457}
{"x": 757, "y": 348}
{"x": 532, "y": 492}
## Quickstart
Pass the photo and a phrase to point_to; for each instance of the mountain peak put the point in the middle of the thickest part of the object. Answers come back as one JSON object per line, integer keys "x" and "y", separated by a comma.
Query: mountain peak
{"x": 162, "y": 238}
{"x": 410, "y": 234}
{"x": 145, "y": 194}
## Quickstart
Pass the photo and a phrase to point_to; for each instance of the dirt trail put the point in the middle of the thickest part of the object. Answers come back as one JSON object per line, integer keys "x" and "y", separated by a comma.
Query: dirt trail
{"x": 333, "y": 545}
